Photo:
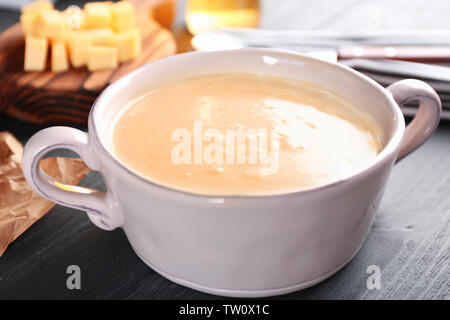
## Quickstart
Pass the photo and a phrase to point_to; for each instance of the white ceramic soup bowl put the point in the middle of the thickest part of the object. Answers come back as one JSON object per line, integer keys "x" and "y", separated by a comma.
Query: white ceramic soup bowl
{"x": 242, "y": 246}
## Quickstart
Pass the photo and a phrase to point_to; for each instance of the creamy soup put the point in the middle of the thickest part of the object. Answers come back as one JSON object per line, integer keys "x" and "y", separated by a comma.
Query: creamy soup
{"x": 241, "y": 134}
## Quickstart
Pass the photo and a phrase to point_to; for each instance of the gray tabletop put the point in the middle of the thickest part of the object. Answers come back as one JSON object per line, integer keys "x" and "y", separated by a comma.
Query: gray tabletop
{"x": 409, "y": 240}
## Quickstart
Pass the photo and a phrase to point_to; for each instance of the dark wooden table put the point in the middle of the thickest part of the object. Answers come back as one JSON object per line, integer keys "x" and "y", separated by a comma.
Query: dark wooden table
{"x": 409, "y": 241}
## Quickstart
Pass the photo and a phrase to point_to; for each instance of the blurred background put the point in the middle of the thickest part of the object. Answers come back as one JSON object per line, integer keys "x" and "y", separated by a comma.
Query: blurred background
{"x": 413, "y": 30}
{"x": 343, "y": 15}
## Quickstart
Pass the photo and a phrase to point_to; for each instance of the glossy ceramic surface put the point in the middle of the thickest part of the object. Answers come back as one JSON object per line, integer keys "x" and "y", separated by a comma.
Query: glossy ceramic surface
{"x": 243, "y": 246}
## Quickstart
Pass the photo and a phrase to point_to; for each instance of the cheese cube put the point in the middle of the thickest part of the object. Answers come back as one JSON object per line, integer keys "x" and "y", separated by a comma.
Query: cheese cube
{"x": 78, "y": 42}
{"x": 50, "y": 24}
{"x": 98, "y": 14}
{"x": 122, "y": 15}
{"x": 100, "y": 57}
{"x": 29, "y": 13}
{"x": 128, "y": 44}
{"x": 102, "y": 37}
{"x": 35, "y": 53}
{"x": 37, "y": 6}
{"x": 59, "y": 57}
{"x": 27, "y": 22}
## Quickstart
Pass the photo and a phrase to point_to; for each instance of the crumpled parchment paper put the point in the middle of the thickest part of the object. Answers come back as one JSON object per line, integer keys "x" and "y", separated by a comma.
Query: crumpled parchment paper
{"x": 20, "y": 207}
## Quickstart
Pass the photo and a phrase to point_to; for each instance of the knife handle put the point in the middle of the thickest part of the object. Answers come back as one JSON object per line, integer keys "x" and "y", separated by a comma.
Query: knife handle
{"x": 408, "y": 53}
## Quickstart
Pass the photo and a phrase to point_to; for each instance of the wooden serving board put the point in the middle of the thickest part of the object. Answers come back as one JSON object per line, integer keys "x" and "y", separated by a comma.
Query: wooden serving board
{"x": 66, "y": 97}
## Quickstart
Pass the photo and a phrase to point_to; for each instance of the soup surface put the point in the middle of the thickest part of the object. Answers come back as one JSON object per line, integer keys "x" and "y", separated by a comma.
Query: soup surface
{"x": 242, "y": 134}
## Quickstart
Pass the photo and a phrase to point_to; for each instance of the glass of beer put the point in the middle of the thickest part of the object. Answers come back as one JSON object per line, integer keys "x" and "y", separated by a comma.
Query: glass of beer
{"x": 207, "y": 14}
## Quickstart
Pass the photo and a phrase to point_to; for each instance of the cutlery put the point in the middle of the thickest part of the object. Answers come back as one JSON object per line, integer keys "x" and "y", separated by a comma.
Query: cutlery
{"x": 345, "y": 47}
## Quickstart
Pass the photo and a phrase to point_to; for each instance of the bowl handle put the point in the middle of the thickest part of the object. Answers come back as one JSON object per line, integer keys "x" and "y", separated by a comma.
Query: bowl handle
{"x": 101, "y": 208}
{"x": 428, "y": 115}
